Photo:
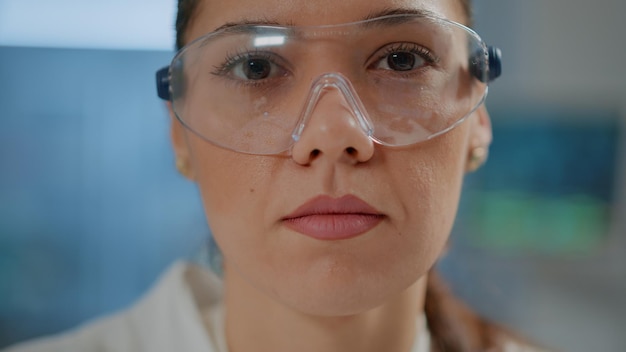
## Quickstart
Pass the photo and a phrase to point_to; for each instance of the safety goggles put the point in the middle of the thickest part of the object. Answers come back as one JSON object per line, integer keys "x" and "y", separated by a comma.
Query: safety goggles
{"x": 404, "y": 78}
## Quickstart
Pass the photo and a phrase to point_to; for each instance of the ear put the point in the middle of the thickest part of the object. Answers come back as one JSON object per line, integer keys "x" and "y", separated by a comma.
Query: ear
{"x": 182, "y": 152}
{"x": 479, "y": 139}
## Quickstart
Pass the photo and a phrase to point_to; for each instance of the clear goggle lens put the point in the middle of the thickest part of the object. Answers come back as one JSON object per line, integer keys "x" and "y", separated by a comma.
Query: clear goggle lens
{"x": 406, "y": 78}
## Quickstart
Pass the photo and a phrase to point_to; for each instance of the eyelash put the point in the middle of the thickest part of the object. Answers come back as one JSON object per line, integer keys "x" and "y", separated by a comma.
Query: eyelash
{"x": 232, "y": 60}
{"x": 426, "y": 54}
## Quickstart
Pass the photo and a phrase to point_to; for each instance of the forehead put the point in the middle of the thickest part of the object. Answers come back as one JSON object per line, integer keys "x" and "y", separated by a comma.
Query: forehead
{"x": 212, "y": 14}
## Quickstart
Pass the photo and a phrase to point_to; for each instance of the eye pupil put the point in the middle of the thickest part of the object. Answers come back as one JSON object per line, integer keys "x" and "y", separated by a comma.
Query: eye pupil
{"x": 401, "y": 61}
{"x": 257, "y": 69}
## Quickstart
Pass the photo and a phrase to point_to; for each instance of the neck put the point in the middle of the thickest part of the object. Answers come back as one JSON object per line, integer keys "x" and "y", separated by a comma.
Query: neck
{"x": 256, "y": 322}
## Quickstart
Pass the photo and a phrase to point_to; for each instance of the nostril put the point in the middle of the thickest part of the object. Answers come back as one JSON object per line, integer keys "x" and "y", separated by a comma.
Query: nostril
{"x": 315, "y": 153}
{"x": 351, "y": 151}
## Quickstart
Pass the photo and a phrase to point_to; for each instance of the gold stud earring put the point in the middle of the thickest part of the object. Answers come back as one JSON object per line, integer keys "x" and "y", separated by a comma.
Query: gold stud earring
{"x": 183, "y": 167}
{"x": 477, "y": 158}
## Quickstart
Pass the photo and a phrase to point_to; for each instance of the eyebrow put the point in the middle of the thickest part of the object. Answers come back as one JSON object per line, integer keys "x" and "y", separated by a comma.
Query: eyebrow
{"x": 370, "y": 16}
{"x": 400, "y": 11}
{"x": 391, "y": 20}
{"x": 249, "y": 22}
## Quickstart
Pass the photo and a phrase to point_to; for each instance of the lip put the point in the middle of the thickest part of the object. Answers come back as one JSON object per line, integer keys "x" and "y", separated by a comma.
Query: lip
{"x": 327, "y": 218}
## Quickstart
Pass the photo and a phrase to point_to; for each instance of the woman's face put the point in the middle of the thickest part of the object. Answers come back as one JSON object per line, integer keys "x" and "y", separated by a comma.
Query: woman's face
{"x": 253, "y": 202}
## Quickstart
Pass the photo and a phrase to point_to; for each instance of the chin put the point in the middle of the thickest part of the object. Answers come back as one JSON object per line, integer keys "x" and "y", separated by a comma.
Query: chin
{"x": 334, "y": 289}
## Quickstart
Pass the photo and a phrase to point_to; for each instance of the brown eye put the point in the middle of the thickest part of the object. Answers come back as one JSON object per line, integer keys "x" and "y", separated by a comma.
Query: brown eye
{"x": 403, "y": 57}
{"x": 252, "y": 67}
{"x": 256, "y": 69}
{"x": 400, "y": 61}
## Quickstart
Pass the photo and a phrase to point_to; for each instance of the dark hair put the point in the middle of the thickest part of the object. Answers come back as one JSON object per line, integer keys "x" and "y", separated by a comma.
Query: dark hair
{"x": 187, "y": 8}
{"x": 453, "y": 326}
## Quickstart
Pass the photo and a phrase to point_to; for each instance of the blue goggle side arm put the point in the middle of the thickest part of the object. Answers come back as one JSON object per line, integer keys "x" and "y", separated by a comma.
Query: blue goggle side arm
{"x": 163, "y": 83}
{"x": 488, "y": 67}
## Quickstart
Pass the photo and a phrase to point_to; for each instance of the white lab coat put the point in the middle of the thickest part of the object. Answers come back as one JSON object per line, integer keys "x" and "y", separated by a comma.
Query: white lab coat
{"x": 166, "y": 319}
{"x": 182, "y": 312}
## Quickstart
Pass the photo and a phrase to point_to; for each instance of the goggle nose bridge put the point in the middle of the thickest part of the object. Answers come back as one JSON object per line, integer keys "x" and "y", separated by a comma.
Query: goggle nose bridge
{"x": 342, "y": 84}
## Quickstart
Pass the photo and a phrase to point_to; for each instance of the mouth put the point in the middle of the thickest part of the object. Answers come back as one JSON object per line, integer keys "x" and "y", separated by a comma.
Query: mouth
{"x": 326, "y": 218}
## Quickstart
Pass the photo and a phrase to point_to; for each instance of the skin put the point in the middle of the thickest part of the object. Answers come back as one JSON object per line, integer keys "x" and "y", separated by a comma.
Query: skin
{"x": 288, "y": 292}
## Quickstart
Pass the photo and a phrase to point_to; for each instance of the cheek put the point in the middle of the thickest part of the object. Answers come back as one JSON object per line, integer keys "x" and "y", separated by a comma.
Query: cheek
{"x": 234, "y": 188}
{"x": 227, "y": 180}
{"x": 428, "y": 181}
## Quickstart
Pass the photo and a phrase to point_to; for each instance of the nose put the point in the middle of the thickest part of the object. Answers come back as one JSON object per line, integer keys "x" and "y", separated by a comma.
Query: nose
{"x": 333, "y": 126}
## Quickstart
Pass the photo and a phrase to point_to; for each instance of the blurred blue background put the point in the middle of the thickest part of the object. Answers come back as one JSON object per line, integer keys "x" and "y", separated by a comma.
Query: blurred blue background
{"x": 92, "y": 209}
{"x": 91, "y": 206}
